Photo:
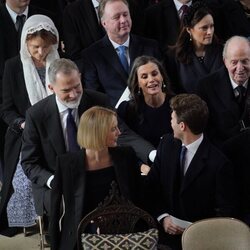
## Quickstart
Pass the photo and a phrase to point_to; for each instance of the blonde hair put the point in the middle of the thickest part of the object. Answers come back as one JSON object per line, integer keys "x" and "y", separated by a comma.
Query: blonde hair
{"x": 94, "y": 126}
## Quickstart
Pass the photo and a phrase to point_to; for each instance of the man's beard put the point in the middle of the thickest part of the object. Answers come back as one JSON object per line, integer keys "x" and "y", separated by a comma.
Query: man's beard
{"x": 72, "y": 104}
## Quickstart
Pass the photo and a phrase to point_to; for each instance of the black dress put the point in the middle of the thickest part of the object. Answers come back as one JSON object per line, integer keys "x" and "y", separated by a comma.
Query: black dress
{"x": 150, "y": 123}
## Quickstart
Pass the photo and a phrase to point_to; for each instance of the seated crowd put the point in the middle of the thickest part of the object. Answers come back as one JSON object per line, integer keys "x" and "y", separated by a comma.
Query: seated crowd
{"x": 152, "y": 95}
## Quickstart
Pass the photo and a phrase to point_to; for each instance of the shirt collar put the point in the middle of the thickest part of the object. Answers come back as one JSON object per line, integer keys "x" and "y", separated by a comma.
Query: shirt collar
{"x": 61, "y": 107}
{"x": 116, "y": 45}
{"x": 178, "y": 4}
{"x": 235, "y": 85}
{"x": 192, "y": 147}
{"x": 95, "y": 3}
{"x": 13, "y": 14}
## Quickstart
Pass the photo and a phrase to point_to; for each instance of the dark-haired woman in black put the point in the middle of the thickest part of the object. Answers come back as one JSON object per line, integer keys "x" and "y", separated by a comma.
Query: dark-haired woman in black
{"x": 197, "y": 52}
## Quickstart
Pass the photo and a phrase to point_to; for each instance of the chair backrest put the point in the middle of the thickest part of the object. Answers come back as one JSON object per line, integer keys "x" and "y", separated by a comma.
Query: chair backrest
{"x": 116, "y": 215}
{"x": 217, "y": 234}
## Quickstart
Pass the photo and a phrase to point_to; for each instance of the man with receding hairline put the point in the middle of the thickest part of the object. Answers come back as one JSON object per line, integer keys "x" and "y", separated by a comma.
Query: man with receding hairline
{"x": 106, "y": 64}
{"x": 227, "y": 92}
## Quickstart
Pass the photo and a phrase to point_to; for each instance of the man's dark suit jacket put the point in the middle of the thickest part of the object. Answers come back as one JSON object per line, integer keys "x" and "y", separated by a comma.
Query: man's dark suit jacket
{"x": 80, "y": 27}
{"x": 15, "y": 104}
{"x": 224, "y": 111}
{"x": 70, "y": 182}
{"x": 102, "y": 70}
{"x": 43, "y": 141}
{"x": 237, "y": 149}
{"x": 162, "y": 23}
{"x": 207, "y": 189}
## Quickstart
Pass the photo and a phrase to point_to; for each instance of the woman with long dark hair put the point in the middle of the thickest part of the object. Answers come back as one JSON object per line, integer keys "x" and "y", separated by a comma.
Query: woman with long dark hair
{"x": 197, "y": 51}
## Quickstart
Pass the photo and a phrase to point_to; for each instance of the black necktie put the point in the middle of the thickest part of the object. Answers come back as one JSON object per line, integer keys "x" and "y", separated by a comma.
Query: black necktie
{"x": 184, "y": 10}
{"x": 183, "y": 159}
{"x": 71, "y": 132}
{"x": 241, "y": 96}
{"x": 20, "y": 20}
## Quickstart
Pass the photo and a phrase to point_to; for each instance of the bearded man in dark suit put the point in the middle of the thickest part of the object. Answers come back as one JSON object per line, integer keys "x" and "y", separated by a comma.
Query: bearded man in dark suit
{"x": 45, "y": 133}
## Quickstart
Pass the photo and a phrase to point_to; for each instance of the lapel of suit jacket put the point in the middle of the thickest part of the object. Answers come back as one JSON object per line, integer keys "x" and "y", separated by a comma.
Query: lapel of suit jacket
{"x": 135, "y": 48}
{"x": 9, "y": 28}
{"x": 52, "y": 122}
{"x": 172, "y": 173}
{"x": 78, "y": 174}
{"x": 196, "y": 165}
{"x": 110, "y": 55}
{"x": 224, "y": 92}
{"x": 172, "y": 20}
{"x": 89, "y": 15}
{"x": 213, "y": 52}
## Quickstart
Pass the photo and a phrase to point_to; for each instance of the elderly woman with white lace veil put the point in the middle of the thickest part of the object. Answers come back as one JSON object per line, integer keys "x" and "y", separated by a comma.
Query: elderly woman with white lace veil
{"x": 25, "y": 82}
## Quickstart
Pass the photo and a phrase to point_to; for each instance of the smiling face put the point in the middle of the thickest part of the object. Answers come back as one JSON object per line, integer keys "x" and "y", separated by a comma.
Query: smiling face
{"x": 117, "y": 21}
{"x": 149, "y": 79}
{"x": 113, "y": 133}
{"x": 68, "y": 88}
{"x": 38, "y": 49}
{"x": 203, "y": 31}
{"x": 237, "y": 60}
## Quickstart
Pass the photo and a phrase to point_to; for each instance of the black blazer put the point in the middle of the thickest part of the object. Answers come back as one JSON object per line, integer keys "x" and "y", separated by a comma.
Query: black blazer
{"x": 237, "y": 149}
{"x": 102, "y": 70}
{"x": 207, "y": 189}
{"x": 216, "y": 89}
{"x": 43, "y": 140}
{"x": 208, "y": 186}
{"x": 185, "y": 77}
{"x": 13, "y": 111}
{"x": 70, "y": 182}
{"x": 162, "y": 23}
{"x": 80, "y": 27}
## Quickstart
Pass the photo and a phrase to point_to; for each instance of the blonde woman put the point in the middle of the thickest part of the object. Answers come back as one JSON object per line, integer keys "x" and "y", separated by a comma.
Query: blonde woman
{"x": 84, "y": 177}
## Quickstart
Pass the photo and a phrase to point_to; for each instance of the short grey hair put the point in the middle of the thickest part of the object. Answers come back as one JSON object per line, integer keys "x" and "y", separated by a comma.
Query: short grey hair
{"x": 63, "y": 65}
{"x": 240, "y": 38}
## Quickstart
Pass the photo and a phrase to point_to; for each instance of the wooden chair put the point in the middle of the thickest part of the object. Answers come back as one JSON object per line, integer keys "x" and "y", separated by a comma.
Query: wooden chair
{"x": 116, "y": 215}
{"x": 217, "y": 234}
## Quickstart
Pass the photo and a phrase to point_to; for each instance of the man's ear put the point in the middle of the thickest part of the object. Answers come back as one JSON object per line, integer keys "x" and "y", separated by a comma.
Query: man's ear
{"x": 51, "y": 87}
{"x": 182, "y": 126}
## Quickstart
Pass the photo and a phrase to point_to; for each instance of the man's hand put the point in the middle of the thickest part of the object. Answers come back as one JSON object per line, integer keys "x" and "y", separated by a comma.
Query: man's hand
{"x": 170, "y": 227}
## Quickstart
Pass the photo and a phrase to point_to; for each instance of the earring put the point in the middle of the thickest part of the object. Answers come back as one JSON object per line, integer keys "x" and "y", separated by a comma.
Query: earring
{"x": 190, "y": 39}
{"x": 139, "y": 91}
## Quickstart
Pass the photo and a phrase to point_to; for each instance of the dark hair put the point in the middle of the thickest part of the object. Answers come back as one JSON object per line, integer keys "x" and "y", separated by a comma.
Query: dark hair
{"x": 137, "y": 98}
{"x": 133, "y": 77}
{"x": 46, "y": 35}
{"x": 103, "y": 3}
{"x": 191, "y": 110}
{"x": 183, "y": 47}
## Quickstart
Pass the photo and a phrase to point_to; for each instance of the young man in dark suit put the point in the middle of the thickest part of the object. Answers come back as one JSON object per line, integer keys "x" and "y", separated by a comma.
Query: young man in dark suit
{"x": 227, "y": 92}
{"x": 192, "y": 178}
{"x": 102, "y": 69}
